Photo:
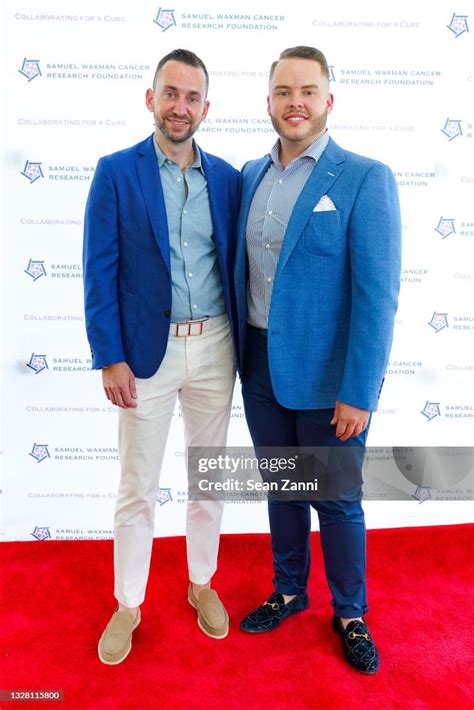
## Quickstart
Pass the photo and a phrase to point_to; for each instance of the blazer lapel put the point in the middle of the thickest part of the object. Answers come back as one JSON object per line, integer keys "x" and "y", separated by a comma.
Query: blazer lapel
{"x": 324, "y": 175}
{"x": 150, "y": 183}
{"x": 216, "y": 203}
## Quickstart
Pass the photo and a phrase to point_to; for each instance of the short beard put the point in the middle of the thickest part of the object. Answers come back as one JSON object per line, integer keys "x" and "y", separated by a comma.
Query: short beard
{"x": 317, "y": 125}
{"x": 161, "y": 125}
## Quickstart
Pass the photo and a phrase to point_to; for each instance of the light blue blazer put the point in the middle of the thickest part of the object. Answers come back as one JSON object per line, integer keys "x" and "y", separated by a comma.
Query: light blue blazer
{"x": 336, "y": 286}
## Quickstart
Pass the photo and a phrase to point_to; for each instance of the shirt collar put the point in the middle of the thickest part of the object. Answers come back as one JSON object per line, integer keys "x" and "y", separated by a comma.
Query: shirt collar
{"x": 314, "y": 151}
{"x": 161, "y": 157}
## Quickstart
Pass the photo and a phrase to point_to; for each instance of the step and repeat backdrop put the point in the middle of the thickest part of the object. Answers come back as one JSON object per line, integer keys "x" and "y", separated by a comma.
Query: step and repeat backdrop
{"x": 75, "y": 80}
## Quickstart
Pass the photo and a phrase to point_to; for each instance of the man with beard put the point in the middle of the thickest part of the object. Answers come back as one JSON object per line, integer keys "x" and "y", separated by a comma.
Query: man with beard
{"x": 317, "y": 280}
{"x": 159, "y": 249}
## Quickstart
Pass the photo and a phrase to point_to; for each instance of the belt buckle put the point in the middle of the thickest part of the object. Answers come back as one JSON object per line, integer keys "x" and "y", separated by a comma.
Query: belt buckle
{"x": 184, "y": 330}
{"x": 200, "y": 329}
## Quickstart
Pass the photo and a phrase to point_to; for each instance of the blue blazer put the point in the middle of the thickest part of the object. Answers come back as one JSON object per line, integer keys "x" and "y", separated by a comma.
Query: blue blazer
{"x": 336, "y": 286}
{"x": 127, "y": 275}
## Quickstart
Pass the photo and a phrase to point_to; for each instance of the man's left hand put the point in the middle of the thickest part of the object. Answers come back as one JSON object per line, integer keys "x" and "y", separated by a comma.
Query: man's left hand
{"x": 349, "y": 421}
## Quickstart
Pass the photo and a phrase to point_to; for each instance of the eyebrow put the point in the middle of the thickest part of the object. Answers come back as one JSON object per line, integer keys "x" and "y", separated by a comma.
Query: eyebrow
{"x": 175, "y": 88}
{"x": 283, "y": 86}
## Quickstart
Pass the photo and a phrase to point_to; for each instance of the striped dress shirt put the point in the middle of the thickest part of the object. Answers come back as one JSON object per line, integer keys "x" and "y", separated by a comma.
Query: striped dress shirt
{"x": 268, "y": 219}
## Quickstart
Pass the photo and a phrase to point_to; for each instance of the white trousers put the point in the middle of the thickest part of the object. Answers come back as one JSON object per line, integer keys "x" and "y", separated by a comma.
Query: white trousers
{"x": 200, "y": 370}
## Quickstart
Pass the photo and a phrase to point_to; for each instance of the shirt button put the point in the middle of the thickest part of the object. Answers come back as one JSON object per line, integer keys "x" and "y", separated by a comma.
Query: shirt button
{"x": 190, "y": 275}
{"x": 194, "y": 305}
{"x": 269, "y": 280}
{"x": 185, "y": 244}
{"x": 267, "y": 246}
{"x": 270, "y": 211}
{"x": 280, "y": 181}
{"x": 184, "y": 212}
{"x": 178, "y": 179}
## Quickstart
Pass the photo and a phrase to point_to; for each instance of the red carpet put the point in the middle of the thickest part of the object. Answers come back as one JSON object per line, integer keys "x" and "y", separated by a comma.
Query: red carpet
{"x": 58, "y": 598}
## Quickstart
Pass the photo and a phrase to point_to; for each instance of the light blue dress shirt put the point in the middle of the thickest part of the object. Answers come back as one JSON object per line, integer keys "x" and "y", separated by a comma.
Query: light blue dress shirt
{"x": 196, "y": 282}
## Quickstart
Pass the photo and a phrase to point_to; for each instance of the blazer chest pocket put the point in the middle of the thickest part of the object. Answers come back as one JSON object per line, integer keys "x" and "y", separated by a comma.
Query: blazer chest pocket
{"x": 323, "y": 234}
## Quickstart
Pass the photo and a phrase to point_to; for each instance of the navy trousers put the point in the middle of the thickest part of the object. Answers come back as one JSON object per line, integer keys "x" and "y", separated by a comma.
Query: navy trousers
{"x": 341, "y": 521}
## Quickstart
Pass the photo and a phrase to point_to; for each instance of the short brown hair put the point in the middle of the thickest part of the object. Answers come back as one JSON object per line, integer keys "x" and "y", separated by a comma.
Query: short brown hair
{"x": 185, "y": 56}
{"x": 303, "y": 52}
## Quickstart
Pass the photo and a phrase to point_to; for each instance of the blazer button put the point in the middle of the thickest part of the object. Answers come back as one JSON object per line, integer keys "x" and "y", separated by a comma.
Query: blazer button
{"x": 167, "y": 314}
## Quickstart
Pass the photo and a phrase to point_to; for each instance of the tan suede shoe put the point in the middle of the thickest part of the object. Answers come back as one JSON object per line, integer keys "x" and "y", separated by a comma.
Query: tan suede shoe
{"x": 116, "y": 642}
{"x": 212, "y": 617}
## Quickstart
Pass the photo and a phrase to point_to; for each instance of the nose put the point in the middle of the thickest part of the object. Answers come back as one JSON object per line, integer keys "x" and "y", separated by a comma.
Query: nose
{"x": 179, "y": 106}
{"x": 296, "y": 101}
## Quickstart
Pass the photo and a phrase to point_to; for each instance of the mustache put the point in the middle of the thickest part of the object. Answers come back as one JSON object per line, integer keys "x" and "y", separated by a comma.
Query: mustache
{"x": 295, "y": 113}
{"x": 177, "y": 117}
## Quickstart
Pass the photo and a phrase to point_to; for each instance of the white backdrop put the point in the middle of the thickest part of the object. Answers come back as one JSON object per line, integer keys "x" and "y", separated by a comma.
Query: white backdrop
{"x": 75, "y": 80}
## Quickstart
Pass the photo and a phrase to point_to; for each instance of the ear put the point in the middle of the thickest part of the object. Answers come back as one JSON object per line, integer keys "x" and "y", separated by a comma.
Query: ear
{"x": 268, "y": 106}
{"x": 205, "y": 110}
{"x": 149, "y": 99}
{"x": 330, "y": 102}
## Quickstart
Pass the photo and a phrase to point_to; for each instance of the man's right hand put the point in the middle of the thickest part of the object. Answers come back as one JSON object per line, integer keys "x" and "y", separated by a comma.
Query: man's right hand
{"x": 119, "y": 385}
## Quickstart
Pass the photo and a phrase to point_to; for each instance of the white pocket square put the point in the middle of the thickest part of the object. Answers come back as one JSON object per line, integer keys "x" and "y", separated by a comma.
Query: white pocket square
{"x": 325, "y": 204}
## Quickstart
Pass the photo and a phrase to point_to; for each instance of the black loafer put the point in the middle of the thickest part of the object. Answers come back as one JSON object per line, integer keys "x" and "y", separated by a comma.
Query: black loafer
{"x": 272, "y": 612}
{"x": 359, "y": 648}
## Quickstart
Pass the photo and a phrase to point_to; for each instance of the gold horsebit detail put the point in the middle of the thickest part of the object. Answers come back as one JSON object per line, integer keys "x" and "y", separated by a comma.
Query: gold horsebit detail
{"x": 274, "y": 605}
